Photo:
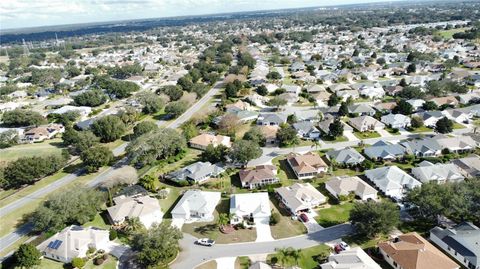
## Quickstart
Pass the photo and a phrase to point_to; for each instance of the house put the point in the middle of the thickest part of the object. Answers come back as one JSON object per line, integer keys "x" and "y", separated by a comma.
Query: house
{"x": 439, "y": 173}
{"x": 361, "y": 110}
{"x": 315, "y": 88}
{"x": 458, "y": 115}
{"x": 462, "y": 242}
{"x": 41, "y": 133}
{"x": 290, "y": 97}
{"x": 372, "y": 92}
{"x": 259, "y": 176}
{"x": 346, "y": 156}
{"x": 447, "y": 100}
{"x": 84, "y": 111}
{"x": 385, "y": 107}
{"x": 393, "y": 90}
{"x": 411, "y": 251}
{"x": 196, "y": 205}
{"x": 239, "y": 105}
{"x": 295, "y": 89}
{"x": 468, "y": 166}
{"x": 202, "y": 141}
{"x": 426, "y": 147}
{"x": 328, "y": 119}
{"x": 270, "y": 134}
{"x": 143, "y": 207}
{"x": 249, "y": 206}
{"x": 344, "y": 185}
{"x": 354, "y": 258}
{"x": 307, "y": 165}
{"x": 300, "y": 197}
{"x": 196, "y": 172}
{"x": 366, "y": 123}
{"x": 307, "y": 130}
{"x": 345, "y": 94}
{"x": 458, "y": 144}
{"x": 297, "y": 66}
{"x": 74, "y": 241}
{"x": 271, "y": 119}
{"x": 392, "y": 181}
{"x": 416, "y": 103}
{"x": 396, "y": 121}
{"x": 430, "y": 118}
{"x": 386, "y": 151}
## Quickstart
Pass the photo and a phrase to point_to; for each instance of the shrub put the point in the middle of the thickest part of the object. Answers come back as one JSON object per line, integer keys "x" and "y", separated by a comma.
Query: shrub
{"x": 113, "y": 234}
{"x": 274, "y": 218}
{"x": 78, "y": 262}
{"x": 98, "y": 261}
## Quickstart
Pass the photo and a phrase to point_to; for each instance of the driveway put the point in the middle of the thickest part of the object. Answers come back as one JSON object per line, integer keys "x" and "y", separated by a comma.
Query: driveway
{"x": 117, "y": 249}
{"x": 384, "y": 133}
{"x": 312, "y": 225}
{"x": 350, "y": 136}
{"x": 264, "y": 234}
{"x": 226, "y": 262}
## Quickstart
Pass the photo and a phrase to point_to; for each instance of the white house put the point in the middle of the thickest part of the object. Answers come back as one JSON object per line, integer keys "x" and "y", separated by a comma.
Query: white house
{"x": 145, "y": 208}
{"x": 196, "y": 205}
{"x": 392, "y": 181}
{"x": 439, "y": 173}
{"x": 249, "y": 206}
{"x": 74, "y": 241}
{"x": 396, "y": 120}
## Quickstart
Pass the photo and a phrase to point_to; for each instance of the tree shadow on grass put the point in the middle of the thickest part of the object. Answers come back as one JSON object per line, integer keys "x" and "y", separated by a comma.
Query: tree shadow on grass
{"x": 206, "y": 229}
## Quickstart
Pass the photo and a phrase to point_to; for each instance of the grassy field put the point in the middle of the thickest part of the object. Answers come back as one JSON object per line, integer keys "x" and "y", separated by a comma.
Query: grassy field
{"x": 306, "y": 260}
{"x": 335, "y": 214}
{"x": 48, "y": 147}
{"x": 448, "y": 34}
{"x": 366, "y": 135}
{"x": 422, "y": 129}
{"x": 242, "y": 262}
{"x": 457, "y": 125}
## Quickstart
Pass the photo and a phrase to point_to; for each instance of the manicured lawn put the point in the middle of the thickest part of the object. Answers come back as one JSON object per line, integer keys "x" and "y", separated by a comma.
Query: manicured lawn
{"x": 457, "y": 125}
{"x": 211, "y": 229}
{"x": 242, "y": 262}
{"x": 307, "y": 257}
{"x": 285, "y": 173}
{"x": 337, "y": 139}
{"x": 448, "y": 34}
{"x": 48, "y": 147}
{"x": 335, "y": 214}
{"x": 363, "y": 242}
{"x": 100, "y": 221}
{"x": 422, "y": 129}
{"x": 366, "y": 135}
{"x": 286, "y": 227}
{"x": 111, "y": 263}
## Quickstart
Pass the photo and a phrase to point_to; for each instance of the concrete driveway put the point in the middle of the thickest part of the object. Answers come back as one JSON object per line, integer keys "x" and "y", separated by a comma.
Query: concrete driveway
{"x": 117, "y": 249}
{"x": 264, "y": 234}
{"x": 384, "y": 133}
{"x": 226, "y": 262}
{"x": 350, "y": 136}
{"x": 312, "y": 225}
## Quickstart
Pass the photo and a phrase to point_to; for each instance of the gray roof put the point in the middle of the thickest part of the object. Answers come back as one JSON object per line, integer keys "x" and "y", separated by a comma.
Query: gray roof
{"x": 422, "y": 146}
{"x": 427, "y": 171}
{"x": 360, "y": 108}
{"x": 463, "y": 238}
{"x": 273, "y": 117}
{"x": 346, "y": 156}
{"x": 384, "y": 150}
{"x": 305, "y": 127}
{"x": 391, "y": 177}
{"x": 196, "y": 171}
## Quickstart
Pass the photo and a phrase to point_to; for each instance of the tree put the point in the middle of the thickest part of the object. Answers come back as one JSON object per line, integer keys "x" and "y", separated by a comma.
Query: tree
{"x": 27, "y": 256}
{"x": 274, "y": 75}
{"x": 173, "y": 92}
{"x": 96, "y": 157}
{"x": 134, "y": 225}
{"x": 429, "y": 105}
{"x": 277, "y": 102}
{"x": 8, "y": 138}
{"x": 22, "y": 118}
{"x": 148, "y": 182}
{"x": 373, "y": 218}
{"x": 256, "y": 135}
{"x": 333, "y": 100}
{"x": 177, "y": 108}
{"x": 243, "y": 151}
{"x": 335, "y": 129}
{"x": 262, "y": 90}
{"x": 403, "y": 107}
{"x": 444, "y": 125}
{"x": 229, "y": 124}
{"x": 144, "y": 127}
{"x": 215, "y": 154}
{"x": 403, "y": 83}
{"x": 411, "y": 92}
{"x": 153, "y": 146}
{"x": 151, "y": 102}
{"x": 417, "y": 122}
{"x": 223, "y": 219}
{"x": 189, "y": 129}
{"x": 343, "y": 110}
{"x": 78, "y": 262}
{"x": 90, "y": 98}
{"x": 79, "y": 140}
{"x": 412, "y": 68}
{"x": 287, "y": 136}
{"x": 76, "y": 205}
{"x": 108, "y": 128}
{"x": 157, "y": 245}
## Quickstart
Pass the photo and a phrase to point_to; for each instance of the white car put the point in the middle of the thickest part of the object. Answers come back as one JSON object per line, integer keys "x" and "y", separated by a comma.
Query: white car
{"x": 344, "y": 246}
{"x": 205, "y": 242}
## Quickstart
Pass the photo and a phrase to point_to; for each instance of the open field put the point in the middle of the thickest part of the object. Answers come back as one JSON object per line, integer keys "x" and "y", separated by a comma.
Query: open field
{"x": 48, "y": 147}
{"x": 447, "y": 34}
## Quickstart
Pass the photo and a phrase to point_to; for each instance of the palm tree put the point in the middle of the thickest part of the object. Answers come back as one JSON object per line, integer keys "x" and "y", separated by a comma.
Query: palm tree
{"x": 133, "y": 225}
{"x": 223, "y": 219}
{"x": 295, "y": 254}
{"x": 283, "y": 255}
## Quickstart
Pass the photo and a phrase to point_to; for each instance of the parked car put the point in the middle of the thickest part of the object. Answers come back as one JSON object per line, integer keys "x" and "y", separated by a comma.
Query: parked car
{"x": 303, "y": 217}
{"x": 205, "y": 242}
{"x": 341, "y": 247}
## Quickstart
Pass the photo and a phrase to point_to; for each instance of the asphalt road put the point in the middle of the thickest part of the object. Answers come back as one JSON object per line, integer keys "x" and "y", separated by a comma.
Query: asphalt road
{"x": 23, "y": 230}
{"x": 192, "y": 255}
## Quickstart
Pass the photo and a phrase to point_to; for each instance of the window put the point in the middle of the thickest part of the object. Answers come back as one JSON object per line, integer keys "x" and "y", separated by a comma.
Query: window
{"x": 448, "y": 247}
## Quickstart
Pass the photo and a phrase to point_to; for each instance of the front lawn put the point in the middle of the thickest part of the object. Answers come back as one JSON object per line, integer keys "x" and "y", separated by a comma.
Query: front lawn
{"x": 286, "y": 227}
{"x": 335, "y": 214}
{"x": 48, "y": 147}
{"x": 307, "y": 259}
{"x": 337, "y": 139}
{"x": 457, "y": 125}
{"x": 366, "y": 135}
{"x": 422, "y": 129}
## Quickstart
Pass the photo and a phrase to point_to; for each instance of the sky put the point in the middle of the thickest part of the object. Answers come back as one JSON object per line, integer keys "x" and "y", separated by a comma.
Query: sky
{"x": 32, "y": 13}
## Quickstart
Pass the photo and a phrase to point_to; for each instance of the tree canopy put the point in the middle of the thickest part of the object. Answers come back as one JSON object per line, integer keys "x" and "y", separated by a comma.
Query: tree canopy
{"x": 108, "y": 128}
{"x": 27, "y": 256}
{"x": 243, "y": 151}
{"x": 373, "y": 218}
{"x": 22, "y": 118}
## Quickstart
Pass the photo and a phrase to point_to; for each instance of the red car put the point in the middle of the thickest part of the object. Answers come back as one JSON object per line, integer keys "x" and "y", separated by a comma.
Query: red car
{"x": 303, "y": 217}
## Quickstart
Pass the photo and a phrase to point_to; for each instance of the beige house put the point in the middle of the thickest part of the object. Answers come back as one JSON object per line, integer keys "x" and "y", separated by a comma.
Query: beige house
{"x": 307, "y": 165}
{"x": 41, "y": 133}
{"x": 366, "y": 123}
{"x": 270, "y": 133}
{"x": 259, "y": 176}
{"x": 300, "y": 197}
{"x": 411, "y": 251}
{"x": 202, "y": 141}
{"x": 145, "y": 208}
{"x": 343, "y": 186}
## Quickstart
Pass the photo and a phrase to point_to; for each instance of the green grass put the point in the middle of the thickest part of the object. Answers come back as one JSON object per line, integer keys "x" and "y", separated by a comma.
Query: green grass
{"x": 100, "y": 221}
{"x": 366, "y": 135}
{"x": 457, "y": 125}
{"x": 307, "y": 257}
{"x": 242, "y": 262}
{"x": 285, "y": 173}
{"x": 422, "y": 129}
{"x": 286, "y": 227}
{"x": 48, "y": 147}
{"x": 111, "y": 263}
{"x": 391, "y": 131}
{"x": 335, "y": 214}
{"x": 362, "y": 242}
{"x": 448, "y": 34}
{"x": 337, "y": 139}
